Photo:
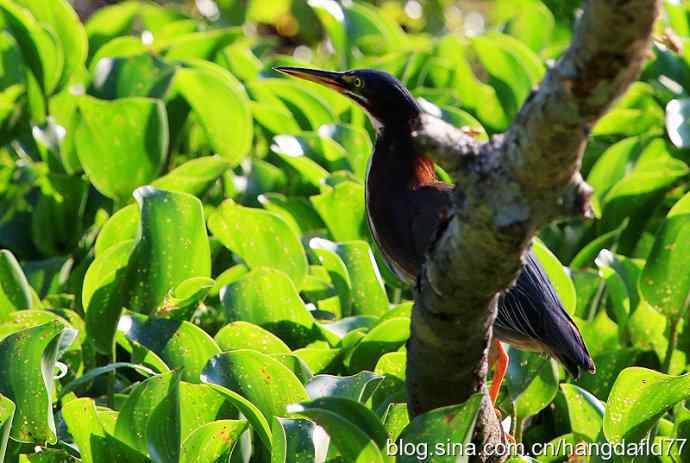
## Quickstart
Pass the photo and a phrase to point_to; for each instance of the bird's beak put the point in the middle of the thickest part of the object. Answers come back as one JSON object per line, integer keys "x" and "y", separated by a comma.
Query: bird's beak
{"x": 330, "y": 79}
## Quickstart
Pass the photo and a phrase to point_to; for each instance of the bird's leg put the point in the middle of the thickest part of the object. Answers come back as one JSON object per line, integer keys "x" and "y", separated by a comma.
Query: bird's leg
{"x": 498, "y": 357}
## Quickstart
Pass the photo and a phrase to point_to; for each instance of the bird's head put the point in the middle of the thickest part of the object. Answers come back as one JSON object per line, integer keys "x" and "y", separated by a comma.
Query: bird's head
{"x": 386, "y": 100}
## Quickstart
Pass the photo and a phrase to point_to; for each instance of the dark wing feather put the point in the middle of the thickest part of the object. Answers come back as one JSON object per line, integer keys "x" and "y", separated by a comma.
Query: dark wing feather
{"x": 531, "y": 316}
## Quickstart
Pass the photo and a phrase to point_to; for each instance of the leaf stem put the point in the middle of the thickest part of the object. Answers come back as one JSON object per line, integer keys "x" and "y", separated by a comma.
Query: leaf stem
{"x": 672, "y": 342}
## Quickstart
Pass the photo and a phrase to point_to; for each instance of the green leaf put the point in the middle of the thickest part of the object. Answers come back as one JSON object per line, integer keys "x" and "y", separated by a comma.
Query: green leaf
{"x": 210, "y": 90}
{"x": 194, "y": 177}
{"x": 121, "y": 226}
{"x": 15, "y": 291}
{"x": 179, "y": 344}
{"x": 39, "y": 46}
{"x": 268, "y": 298}
{"x": 198, "y": 45}
{"x": 342, "y": 209}
{"x": 453, "y": 424}
{"x": 89, "y": 375}
{"x": 182, "y": 301}
{"x": 261, "y": 379}
{"x": 664, "y": 283}
{"x": 295, "y": 210}
{"x": 557, "y": 274}
{"x": 212, "y": 442}
{"x": 254, "y": 416}
{"x": 332, "y": 18}
{"x": 359, "y": 387}
{"x": 351, "y": 410}
{"x": 121, "y": 144}
{"x": 678, "y": 122}
{"x": 354, "y": 429}
{"x": 95, "y": 442}
{"x": 367, "y": 290}
{"x": 7, "y": 410}
{"x": 102, "y": 294}
{"x": 297, "y": 441}
{"x": 30, "y": 387}
{"x": 260, "y": 238}
{"x": 532, "y": 382}
{"x": 355, "y": 141}
{"x": 325, "y": 251}
{"x": 585, "y": 411}
{"x": 172, "y": 246}
{"x": 143, "y": 75}
{"x": 392, "y": 389}
{"x": 163, "y": 433}
{"x": 243, "y": 335}
{"x": 107, "y": 23}
{"x": 142, "y": 406}
{"x": 387, "y": 337}
{"x": 638, "y": 399}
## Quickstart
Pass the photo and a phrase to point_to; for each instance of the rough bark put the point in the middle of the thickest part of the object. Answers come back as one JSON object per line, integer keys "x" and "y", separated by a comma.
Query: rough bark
{"x": 508, "y": 188}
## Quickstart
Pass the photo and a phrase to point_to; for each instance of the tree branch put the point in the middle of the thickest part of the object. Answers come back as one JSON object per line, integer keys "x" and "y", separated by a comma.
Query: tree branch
{"x": 509, "y": 187}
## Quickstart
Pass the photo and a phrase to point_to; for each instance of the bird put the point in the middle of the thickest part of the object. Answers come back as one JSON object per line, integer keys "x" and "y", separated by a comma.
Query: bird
{"x": 407, "y": 205}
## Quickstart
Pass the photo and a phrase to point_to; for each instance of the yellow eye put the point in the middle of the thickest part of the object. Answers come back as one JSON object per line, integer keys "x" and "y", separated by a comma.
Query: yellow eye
{"x": 357, "y": 82}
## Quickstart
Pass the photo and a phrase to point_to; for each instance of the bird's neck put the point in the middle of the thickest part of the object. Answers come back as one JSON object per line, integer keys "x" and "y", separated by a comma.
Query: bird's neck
{"x": 403, "y": 164}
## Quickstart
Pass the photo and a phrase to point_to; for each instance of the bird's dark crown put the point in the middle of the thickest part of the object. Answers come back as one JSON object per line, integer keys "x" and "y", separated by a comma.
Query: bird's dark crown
{"x": 383, "y": 96}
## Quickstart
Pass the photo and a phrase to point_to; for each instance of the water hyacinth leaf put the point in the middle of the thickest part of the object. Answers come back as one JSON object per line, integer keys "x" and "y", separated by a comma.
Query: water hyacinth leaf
{"x": 261, "y": 379}
{"x": 298, "y": 441}
{"x": 121, "y": 226}
{"x": 133, "y": 419}
{"x": 172, "y": 246}
{"x": 268, "y": 298}
{"x": 664, "y": 283}
{"x": 260, "y": 238}
{"x": 586, "y": 412}
{"x": 638, "y": 399}
{"x": 678, "y": 122}
{"x": 182, "y": 301}
{"x": 212, "y": 442}
{"x": 359, "y": 387}
{"x": 243, "y": 335}
{"x": 295, "y": 210}
{"x": 179, "y": 344}
{"x": 108, "y": 23}
{"x": 95, "y": 440}
{"x": 391, "y": 367}
{"x": 96, "y": 372}
{"x": 532, "y": 382}
{"x": 354, "y": 430}
{"x": 7, "y": 409}
{"x": 102, "y": 294}
{"x": 318, "y": 360}
{"x": 198, "y": 45}
{"x": 446, "y": 424}
{"x": 342, "y": 209}
{"x": 163, "y": 434}
{"x": 332, "y": 18}
{"x": 609, "y": 365}
{"x": 558, "y": 276}
{"x": 367, "y": 290}
{"x": 210, "y": 90}
{"x": 325, "y": 251}
{"x": 194, "y": 177}
{"x": 386, "y": 337}
{"x": 122, "y": 143}
{"x": 40, "y": 48}
{"x": 253, "y": 415}
{"x": 143, "y": 75}
{"x": 31, "y": 386}
{"x": 355, "y": 141}
{"x": 346, "y": 325}
{"x": 15, "y": 291}
{"x": 310, "y": 111}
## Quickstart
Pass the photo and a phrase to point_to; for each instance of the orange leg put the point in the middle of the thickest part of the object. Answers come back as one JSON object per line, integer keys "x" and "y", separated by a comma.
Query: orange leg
{"x": 500, "y": 358}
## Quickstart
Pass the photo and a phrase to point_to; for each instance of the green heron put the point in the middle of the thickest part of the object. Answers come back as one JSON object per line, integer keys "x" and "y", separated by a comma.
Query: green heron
{"x": 406, "y": 206}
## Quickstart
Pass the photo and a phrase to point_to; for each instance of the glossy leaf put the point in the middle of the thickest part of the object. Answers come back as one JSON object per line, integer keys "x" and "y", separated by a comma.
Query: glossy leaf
{"x": 264, "y": 381}
{"x": 384, "y": 338}
{"x": 172, "y": 246}
{"x": 260, "y": 238}
{"x": 638, "y": 399}
{"x": 194, "y": 177}
{"x": 298, "y": 441}
{"x": 210, "y": 90}
{"x": 121, "y": 144}
{"x": 585, "y": 411}
{"x": 359, "y": 387}
{"x": 367, "y": 290}
{"x": 7, "y": 410}
{"x": 663, "y": 283}
{"x": 532, "y": 382}
{"x": 180, "y": 344}
{"x": 446, "y": 424}
{"x": 212, "y": 442}
{"x": 15, "y": 291}
{"x": 677, "y": 121}
{"x": 268, "y": 298}
{"x": 342, "y": 209}
{"x": 30, "y": 387}
{"x": 243, "y": 335}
